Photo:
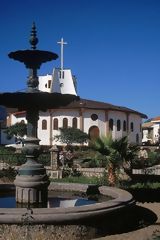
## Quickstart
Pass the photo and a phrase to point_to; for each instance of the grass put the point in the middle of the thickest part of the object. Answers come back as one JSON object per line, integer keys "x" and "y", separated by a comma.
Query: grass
{"x": 82, "y": 179}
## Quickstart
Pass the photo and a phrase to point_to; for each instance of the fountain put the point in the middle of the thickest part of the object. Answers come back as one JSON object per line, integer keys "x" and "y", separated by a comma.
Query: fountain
{"x": 32, "y": 182}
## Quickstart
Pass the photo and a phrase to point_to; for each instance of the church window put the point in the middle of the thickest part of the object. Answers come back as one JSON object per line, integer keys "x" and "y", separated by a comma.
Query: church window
{"x": 124, "y": 126}
{"x": 55, "y": 124}
{"x": 49, "y": 83}
{"x": 140, "y": 128}
{"x": 137, "y": 138}
{"x": 111, "y": 124}
{"x": 94, "y": 117}
{"x": 61, "y": 74}
{"x": 118, "y": 125}
{"x": 65, "y": 123}
{"x": 74, "y": 122}
{"x": 132, "y": 127}
{"x": 44, "y": 124}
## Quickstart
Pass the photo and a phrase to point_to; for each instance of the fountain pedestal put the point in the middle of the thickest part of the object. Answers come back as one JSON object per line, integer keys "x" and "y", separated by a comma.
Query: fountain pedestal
{"x": 32, "y": 189}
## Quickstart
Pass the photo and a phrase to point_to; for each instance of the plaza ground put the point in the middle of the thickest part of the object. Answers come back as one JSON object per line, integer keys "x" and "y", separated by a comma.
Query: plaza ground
{"x": 152, "y": 215}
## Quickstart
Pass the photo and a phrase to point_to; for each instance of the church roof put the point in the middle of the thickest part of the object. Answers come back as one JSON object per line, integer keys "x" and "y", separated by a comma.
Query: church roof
{"x": 91, "y": 104}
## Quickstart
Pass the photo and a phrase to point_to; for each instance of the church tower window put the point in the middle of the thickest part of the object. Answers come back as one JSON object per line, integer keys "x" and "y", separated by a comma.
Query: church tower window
{"x": 118, "y": 125}
{"x": 49, "y": 83}
{"x": 111, "y": 124}
{"x": 74, "y": 122}
{"x": 55, "y": 124}
{"x": 44, "y": 124}
{"x": 65, "y": 123}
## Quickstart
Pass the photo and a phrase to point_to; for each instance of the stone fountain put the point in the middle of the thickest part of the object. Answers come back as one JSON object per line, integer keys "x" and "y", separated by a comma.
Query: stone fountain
{"x": 31, "y": 183}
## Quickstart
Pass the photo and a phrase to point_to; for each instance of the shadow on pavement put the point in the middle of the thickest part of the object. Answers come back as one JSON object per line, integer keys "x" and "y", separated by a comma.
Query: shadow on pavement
{"x": 122, "y": 222}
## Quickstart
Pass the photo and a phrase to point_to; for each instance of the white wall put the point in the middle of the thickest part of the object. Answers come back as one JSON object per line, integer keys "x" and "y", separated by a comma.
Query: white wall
{"x": 116, "y": 115}
{"x": 100, "y": 122}
{"x": 156, "y": 128}
{"x": 47, "y": 136}
{"x": 44, "y": 83}
{"x": 63, "y": 82}
{"x": 137, "y": 121}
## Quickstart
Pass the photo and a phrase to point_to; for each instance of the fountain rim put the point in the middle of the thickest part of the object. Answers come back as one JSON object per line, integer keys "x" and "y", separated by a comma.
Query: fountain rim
{"x": 38, "y": 100}
{"x": 122, "y": 200}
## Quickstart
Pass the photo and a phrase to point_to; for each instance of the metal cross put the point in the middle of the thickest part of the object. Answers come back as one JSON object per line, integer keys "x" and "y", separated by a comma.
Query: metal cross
{"x": 62, "y": 43}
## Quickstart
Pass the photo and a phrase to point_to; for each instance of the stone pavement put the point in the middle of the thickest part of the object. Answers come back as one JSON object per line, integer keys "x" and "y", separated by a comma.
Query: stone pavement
{"x": 143, "y": 233}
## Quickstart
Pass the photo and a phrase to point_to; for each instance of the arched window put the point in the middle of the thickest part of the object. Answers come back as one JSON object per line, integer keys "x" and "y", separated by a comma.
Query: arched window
{"x": 65, "y": 123}
{"x": 137, "y": 138}
{"x": 118, "y": 125}
{"x": 111, "y": 124}
{"x": 22, "y": 121}
{"x": 124, "y": 126}
{"x": 140, "y": 127}
{"x": 44, "y": 124}
{"x": 74, "y": 122}
{"x": 132, "y": 127}
{"x": 55, "y": 124}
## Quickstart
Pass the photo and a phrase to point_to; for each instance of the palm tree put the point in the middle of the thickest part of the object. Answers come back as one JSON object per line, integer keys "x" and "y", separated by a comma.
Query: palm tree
{"x": 117, "y": 152}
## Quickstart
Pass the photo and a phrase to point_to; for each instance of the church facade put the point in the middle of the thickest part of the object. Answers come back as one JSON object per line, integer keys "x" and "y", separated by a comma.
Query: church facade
{"x": 93, "y": 117}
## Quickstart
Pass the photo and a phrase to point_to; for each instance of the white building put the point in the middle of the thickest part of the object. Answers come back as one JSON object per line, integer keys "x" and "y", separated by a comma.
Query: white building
{"x": 151, "y": 130}
{"x": 92, "y": 117}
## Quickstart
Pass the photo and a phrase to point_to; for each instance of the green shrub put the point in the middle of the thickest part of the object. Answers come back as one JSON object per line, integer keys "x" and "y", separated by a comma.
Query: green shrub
{"x": 9, "y": 173}
{"x": 80, "y": 179}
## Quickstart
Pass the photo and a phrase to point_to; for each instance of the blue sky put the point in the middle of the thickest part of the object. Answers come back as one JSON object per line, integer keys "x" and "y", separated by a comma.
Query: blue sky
{"x": 113, "y": 47}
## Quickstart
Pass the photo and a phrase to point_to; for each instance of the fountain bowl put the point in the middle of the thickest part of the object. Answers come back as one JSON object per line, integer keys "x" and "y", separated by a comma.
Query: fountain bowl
{"x": 64, "y": 222}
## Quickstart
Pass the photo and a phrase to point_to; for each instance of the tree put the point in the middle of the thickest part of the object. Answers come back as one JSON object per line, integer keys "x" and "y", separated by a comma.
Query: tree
{"x": 17, "y": 130}
{"x": 117, "y": 153}
{"x": 71, "y": 135}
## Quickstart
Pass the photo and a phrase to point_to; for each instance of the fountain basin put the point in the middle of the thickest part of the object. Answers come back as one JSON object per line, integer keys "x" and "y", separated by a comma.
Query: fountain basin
{"x": 122, "y": 200}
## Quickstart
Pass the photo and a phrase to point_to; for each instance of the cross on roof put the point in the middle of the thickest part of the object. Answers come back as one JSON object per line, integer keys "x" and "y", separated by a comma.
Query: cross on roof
{"x": 62, "y": 43}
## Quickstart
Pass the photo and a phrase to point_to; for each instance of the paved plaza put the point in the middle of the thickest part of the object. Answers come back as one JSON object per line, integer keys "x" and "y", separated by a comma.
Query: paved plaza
{"x": 143, "y": 233}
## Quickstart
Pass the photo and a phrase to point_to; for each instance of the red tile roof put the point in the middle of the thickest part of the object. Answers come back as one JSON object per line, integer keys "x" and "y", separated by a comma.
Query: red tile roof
{"x": 90, "y": 104}
{"x": 156, "y": 119}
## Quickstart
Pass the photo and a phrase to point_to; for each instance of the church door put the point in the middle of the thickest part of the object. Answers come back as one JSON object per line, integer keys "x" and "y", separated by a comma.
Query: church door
{"x": 93, "y": 132}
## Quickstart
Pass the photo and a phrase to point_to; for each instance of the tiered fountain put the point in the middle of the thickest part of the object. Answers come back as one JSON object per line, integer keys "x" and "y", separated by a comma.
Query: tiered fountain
{"x": 31, "y": 183}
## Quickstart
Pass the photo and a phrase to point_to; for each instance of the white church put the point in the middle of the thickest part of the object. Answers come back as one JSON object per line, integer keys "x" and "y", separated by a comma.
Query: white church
{"x": 92, "y": 117}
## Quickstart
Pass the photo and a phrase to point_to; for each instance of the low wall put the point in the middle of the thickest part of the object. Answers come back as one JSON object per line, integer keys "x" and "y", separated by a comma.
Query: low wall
{"x": 92, "y": 172}
{"x": 88, "y": 172}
